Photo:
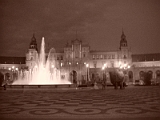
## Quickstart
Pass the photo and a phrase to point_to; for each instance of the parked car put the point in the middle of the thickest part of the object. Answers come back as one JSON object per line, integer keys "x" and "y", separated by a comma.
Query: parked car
{"x": 139, "y": 82}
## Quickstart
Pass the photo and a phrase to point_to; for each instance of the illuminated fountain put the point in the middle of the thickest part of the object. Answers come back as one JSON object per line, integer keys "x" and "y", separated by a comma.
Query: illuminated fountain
{"x": 45, "y": 72}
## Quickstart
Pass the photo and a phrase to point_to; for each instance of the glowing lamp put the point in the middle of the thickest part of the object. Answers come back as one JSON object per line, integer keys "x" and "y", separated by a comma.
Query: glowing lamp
{"x": 103, "y": 68}
{"x": 87, "y": 65}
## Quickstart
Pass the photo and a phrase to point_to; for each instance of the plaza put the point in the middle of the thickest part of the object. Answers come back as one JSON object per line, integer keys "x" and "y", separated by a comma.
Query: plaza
{"x": 135, "y": 102}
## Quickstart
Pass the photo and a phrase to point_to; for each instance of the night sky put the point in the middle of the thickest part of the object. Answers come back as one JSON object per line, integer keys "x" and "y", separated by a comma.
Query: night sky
{"x": 97, "y": 22}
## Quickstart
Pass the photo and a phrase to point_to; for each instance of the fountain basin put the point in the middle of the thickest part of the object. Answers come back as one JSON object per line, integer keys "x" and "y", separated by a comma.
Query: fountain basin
{"x": 41, "y": 87}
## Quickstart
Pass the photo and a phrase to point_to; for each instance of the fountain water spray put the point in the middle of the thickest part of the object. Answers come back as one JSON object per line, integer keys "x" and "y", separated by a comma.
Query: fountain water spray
{"x": 45, "y": 72}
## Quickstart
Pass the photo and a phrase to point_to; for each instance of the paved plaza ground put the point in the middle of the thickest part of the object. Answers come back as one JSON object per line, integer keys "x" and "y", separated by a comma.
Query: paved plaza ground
{"x": 132, "y": 103}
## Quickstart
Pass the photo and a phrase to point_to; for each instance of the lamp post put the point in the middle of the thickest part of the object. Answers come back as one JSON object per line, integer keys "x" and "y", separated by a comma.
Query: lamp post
{"x": 61, "y": 69}
{"x": 87, "y": 65}
{"x": 104, "y": 70}
{"x": 69, "y": 72}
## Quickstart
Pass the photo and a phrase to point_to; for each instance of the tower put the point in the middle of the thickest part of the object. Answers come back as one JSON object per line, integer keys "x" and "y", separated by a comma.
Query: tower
{"x": 124, "y": 52}
{"x": 33, "y": 43}
{"x": 32, "y": 54}
{"x": 123, "y": 41}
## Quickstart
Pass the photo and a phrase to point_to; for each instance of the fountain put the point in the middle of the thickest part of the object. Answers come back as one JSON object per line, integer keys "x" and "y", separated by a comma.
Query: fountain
{"x": 45, "y": 72}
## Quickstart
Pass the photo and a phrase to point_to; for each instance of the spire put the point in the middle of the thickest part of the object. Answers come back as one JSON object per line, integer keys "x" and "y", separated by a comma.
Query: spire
{"x": 33, "y": 38}
{"x": 33, "y": 43}
{"x": 123, "y": 37}
{"x": 123, "y": 42}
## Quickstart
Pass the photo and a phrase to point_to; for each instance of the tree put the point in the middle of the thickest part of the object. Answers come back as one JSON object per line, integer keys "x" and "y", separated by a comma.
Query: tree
{"x": 1, "y": 78}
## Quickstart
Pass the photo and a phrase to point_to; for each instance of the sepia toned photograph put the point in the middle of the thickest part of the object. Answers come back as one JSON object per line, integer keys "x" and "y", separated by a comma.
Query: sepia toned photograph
{"x": 79, "y": 59}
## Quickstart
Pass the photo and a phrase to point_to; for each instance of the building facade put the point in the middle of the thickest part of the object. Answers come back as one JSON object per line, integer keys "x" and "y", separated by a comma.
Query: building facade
{"x": 84, "y": 64}
{"x": 81, "y": 62}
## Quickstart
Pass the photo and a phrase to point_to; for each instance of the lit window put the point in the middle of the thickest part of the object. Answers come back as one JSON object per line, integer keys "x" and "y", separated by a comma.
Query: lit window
{"x": 101, "y": 56}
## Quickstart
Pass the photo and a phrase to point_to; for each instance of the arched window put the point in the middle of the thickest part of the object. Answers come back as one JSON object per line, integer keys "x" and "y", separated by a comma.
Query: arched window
{"x": 124, "y": 56}
{"x": 158, "y": 73}
{"x": 141, "y": 74}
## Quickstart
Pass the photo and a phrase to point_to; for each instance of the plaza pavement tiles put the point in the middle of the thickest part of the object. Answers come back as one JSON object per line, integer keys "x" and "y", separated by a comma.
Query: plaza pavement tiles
{"x": 132, "y": 103}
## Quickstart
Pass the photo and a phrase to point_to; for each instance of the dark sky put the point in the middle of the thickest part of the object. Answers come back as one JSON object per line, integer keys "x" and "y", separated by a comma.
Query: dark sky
{"x": 98, "y": 23}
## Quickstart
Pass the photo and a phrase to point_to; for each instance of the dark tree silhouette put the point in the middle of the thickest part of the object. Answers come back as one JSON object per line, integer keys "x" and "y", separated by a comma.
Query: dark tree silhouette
{"x": 1, "y": 78}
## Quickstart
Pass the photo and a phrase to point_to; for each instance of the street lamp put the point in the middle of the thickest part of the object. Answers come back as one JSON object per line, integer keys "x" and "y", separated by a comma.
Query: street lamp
{"x": 103, "y": 69}
{"x": 52, "y": 66}
{"x": 13, "y": 67}
{"x": 87, "y": 65}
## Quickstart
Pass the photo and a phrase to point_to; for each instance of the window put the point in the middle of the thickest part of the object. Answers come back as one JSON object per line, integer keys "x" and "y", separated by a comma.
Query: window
{"x": 112, "y": 64}
{"x": 124, "y": 56}
{"x": 93, "y": 56}
{"x": 95, "y": 64}
{"x": 105, "y": 56}
{"x": 61, "y": 57}
{"x": 113, "y": 56}
{"x": 109, "y": 56}
{"x": 97, "y": 56}
{"x": 101, "y": 56}
{"x": 84, "y": 55}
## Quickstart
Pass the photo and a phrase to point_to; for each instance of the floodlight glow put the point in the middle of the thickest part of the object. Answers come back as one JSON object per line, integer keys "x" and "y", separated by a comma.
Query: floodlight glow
{"x": 52, "y": 66}
{"x": 120, "y": 67}
{"x": 125, "y": 65}
{"x": 103, "y": 68}
{"x": 87, "y": 65}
